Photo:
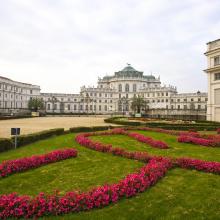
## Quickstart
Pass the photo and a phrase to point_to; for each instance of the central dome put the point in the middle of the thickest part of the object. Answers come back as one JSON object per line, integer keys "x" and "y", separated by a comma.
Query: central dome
{"x": 129, "y": 71}
{"x": 129, "y": 68}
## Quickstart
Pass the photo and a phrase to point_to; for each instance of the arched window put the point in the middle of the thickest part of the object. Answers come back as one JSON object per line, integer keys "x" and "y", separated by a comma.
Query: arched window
{"x": 120, "y": 88}
{"x": 134, "y": 88}
{"x": 126, "y": 87}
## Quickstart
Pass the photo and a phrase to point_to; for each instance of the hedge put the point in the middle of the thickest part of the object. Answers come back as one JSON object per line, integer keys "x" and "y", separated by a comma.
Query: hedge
{"x": 29, "y": 138}
{"x": 8, "y": 144}
{"x": 210, "y": 126}
{"x": 5, "y": 144}
{"x": 89, "y": 129}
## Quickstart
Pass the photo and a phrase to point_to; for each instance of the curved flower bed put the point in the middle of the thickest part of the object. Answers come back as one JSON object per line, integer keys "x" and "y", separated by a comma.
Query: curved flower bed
{"x": 15, "y": 206}
{"x": 187, "y": 137}
{"x": 199, "y": 141}
{"x": 143, "y": 156}
{"x": 26, "y": 163}
{"x": 139, "y": 137}
{"x": 200, "y": 165}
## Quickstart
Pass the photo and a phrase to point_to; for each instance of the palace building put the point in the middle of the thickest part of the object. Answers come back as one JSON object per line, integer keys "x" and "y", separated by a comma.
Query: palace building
{"x": 213, "y": 73}
{"x": 112, "y": 95}
{"x": 14, "y": 96}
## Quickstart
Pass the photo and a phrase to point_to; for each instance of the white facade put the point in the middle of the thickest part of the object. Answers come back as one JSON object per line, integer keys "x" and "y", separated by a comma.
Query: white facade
{"x": 113, "y": 94}
{"x": 14, "y": 96}
{"x": 213, "y": 73}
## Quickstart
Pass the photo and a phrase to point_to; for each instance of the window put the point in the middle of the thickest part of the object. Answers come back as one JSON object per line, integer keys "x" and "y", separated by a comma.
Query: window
{"x": 199, "y": 107}
{"x": 68, "y": 107}
{"x": 178, "y": 100}
{"x": 134, "y": 87}
{"x": 48, "y": 106}
{"x": 55, "y": 106}
{"x": 100, "y": 94}
{"x": 185, "y": 107}
{"x": 100, "y": 108}
{"x": 105, "y": 95}
{"x": 31, "y": 91}
{"x": 119, "y": 96}
{"x": 126, "y": 96}
{"x": 216, "y": 60}
{"x": 106, "y": 108}
{"x": 178, "y": 106}
{"x": 192, "y": 100}
{"x": 171, "y": 106}
{"x": 74, "y": 107}
{"x": 199, "y": 99}
{"x": 120, "y": 88}
{"x": 192, "y": 106}
{"x": 90, "y": 107}
{"x": 185, "y": 100}
{"x": 166, "y": 93}
{"x": 126, "y": 88}
{"x": 217, "y": 76}
{"x": 81, "y": 107}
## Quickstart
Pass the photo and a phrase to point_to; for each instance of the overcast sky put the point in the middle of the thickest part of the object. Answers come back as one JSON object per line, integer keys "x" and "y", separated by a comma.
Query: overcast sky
{"x": 62, "y": 45}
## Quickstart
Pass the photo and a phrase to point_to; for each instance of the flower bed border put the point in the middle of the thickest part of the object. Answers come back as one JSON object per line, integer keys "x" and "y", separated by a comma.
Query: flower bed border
{"x": 18, "y": 165}
{"x": 15, "y": 206}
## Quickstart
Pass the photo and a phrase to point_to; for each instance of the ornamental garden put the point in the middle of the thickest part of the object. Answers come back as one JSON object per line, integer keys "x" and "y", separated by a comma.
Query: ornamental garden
{"x": 127, "y": 172}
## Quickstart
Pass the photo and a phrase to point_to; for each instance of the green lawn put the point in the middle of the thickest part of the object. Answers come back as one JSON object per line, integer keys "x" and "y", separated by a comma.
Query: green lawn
{"x": 182, "y": 194}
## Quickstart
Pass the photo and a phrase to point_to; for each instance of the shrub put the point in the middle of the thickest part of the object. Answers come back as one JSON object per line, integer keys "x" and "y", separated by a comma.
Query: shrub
{"x": 29, "y": 138}
{"x": 5, "y": 144}
{"x": 89, "y": 129}
{"x": 218, "y": 131}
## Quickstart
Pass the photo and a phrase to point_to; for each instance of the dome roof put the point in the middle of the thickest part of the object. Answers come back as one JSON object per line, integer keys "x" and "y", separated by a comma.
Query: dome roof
{"x": 129, "y": 68}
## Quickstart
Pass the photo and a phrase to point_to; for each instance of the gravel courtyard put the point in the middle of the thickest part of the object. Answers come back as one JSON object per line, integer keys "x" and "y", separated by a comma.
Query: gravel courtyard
{"x": 31, "y": 125}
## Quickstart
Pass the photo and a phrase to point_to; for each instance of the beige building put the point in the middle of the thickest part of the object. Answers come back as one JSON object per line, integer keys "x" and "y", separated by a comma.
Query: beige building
{"x": 14, "y": 95}
{"x": 213, "y": 72}
{"x": 112, "y": 95}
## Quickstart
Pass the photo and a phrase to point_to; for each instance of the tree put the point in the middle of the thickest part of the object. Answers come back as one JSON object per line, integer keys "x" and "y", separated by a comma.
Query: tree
{"x": 137, "y": 104}
{"x": 36, "y": 104}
